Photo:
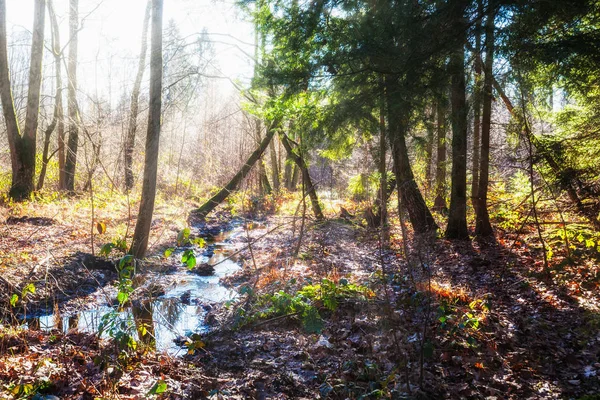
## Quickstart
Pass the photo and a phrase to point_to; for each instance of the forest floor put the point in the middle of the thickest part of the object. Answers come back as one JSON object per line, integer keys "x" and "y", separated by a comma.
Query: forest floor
{"x": 452, "y": 320}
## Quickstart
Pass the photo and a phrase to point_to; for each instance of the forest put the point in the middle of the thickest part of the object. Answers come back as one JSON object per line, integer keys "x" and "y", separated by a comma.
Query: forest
{"x": 284, "y": 199}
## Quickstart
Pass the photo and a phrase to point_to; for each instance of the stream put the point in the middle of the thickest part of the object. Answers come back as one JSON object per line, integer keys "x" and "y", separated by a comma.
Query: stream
{"x": 171, "y": 317}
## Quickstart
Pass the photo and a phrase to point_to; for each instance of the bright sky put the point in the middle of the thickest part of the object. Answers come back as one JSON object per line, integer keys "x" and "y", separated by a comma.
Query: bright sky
{"x": 112, "y": 33}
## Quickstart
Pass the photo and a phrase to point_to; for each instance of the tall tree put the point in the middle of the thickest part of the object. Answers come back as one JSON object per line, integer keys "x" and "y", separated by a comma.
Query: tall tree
{"x": 22, "y": 146}
{"x": 73, "y": 140}
{"x": 58, "y": 122}
{"x": 144, "y": 218}
{"x": 476, "y": 108}
{"x": 134, "y": 106}
{"x": 457, "y": 213}
{"x": 483, "y": 227}
{"x": 439, "y": 203}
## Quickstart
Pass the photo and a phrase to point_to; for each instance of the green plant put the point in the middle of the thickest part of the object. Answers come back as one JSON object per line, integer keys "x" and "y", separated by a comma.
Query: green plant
{"x": 306, "y": 302}
{"x": 188, "y": 257}
{"x": 462, "y": 322}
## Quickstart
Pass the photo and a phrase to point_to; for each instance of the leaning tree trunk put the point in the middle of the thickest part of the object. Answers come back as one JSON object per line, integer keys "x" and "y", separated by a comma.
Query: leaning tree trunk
{"x": 144, "y": 219}
{"x": 234, "y": 183}
{"x": 57, "y": 118}
{"x": 134, "y": 107}
{"x": 439, "y": 203}
{"x": 73, "y": 141}
{"x": 22, "y": 147}
{"x": 483, "y": 227}
{"x": 457, "y": 214}
{"x": 409, "y": 194}
{"x": 308, "y": 184}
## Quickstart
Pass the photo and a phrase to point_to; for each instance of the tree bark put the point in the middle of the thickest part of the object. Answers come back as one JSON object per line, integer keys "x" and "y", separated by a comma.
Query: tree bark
{"x": 457, "y": 213}
{"x": 383, "y": 195}
{"x": 308, "y": 185}
{"x": 429, "y": 124}
{"x": 73, "y": 140}
{"x": 144, "y": 219}
{"x": 22, "y": 147}
{"x": 439, "y": 203}
{"x": 409, "y": 194}
{"x": 58, "y": 115}
{"x": 483, "y": 227}
{"x": 134, "y": 106}
{"x": 274, "y": 166}
{"x": 233, "y": 184}
{"x": 287, "y": 173}
{"x": 476, "y": 110}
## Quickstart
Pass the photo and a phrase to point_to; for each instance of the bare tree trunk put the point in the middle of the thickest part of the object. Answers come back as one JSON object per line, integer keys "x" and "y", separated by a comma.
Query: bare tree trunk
{"x": 430, "y": 126}
{"x": 483, "y": 226}
{"x": 476, "y": 110}
{"x": 234, "y": 183}
{"x": 274, "y": 166}
{"x": 73, "y": 141}
{"x": 134, "y": 107}
{"x": 308, "y": 185}
{"x": 22, "y": 147}
{"x": 382, "y": 166}
{"x": 144, "y": 219}
{"x": 58, "y": 117}
{"x": 264, "y": 187}
{"x": 457, "y": 214}
{"x": 287, "y": 173}
{"x": 295, "y": 177}
{"x": 439, "y": 203}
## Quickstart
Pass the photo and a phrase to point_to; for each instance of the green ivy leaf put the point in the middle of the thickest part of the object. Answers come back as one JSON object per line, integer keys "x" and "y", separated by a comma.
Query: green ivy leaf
{"x": 13, "y": 299}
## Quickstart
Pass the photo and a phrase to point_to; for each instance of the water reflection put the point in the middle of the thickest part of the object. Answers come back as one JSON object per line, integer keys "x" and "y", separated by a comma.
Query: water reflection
{"x": 159, "y": 322}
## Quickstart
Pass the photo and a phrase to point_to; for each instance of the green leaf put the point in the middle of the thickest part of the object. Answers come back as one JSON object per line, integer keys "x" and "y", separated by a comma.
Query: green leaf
{"x": 169, "y": 251}
{"x": 183, "y": 236}
{"x": 142, "y": 330}
{"x": 122, "y": 297}
{"x": 28, "y": 289}
{"x": 200, "y": 242}
{"x": 312, "y": 321}
{"x": 106, "y": 249}
{"x": 13, "y": 299}
{"x": 125, "y": 260}
{"x": 189, "y": 258}
{"x": 159, "y": 387}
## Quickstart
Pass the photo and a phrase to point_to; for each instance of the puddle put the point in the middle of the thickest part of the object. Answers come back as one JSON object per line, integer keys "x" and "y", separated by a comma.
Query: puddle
{"x": 180, "y": 312}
